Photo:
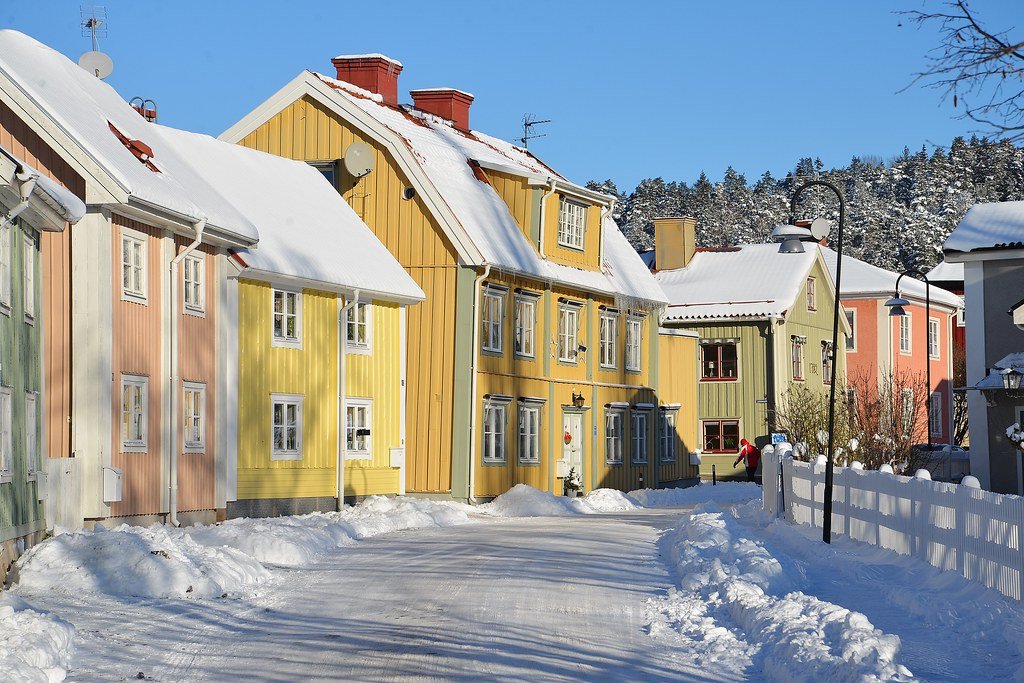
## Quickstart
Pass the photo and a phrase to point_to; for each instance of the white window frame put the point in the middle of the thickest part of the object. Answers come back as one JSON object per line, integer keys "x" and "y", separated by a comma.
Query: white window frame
{"x": 827, "y": 358}
{"x": 6, "y": 269}
{"x": 568, "y": 339}
{"x": 634, "y": 343}
{"x": 492, "y": 316}
{"x": 797, "y": 360}
{"x": 667, "y": 435}
{"x": 494, "y": 434}
{"x": 933, "y": 338}
{"x": 138, "y": 270}
{"x": 352, "y": 325}
{"x": 961, "y": 316}
{"x": 354, "y": 406}
{"x": 572, "y": 223}
{"x": 285, "y": 341}
{"x": 140, "y": 444}
{"x": 935, "y": 414}
{"x": 199, "y": 414}
{"x": 529, "y": 416}
{"x": 524, "y": 331}
{"x": 609, "y": 337}
{"x": 33, "y": 455}
{"x": 614, "y": 423}
{"x": 286, "y": 400}
{"x": 906, "y": 344}
{"x": 196, "y": 303}
{"x": 812, "y": 294}
{"x": 638, "y": 433}
{"x": 851, "y": 340}
{"x": 6, "y": 435}
{"x": 28, "y": 267}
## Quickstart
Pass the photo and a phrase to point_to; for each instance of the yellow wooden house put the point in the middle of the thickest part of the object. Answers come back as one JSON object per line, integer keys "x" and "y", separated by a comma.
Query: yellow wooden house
{"x": 535, "y": 358}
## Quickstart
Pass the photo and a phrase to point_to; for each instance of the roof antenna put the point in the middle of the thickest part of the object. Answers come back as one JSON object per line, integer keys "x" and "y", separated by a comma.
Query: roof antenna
{"x": 529, "y": 121}
{"x": 94, "y": 25}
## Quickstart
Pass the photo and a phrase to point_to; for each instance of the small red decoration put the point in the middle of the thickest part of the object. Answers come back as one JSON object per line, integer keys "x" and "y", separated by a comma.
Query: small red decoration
{"x": 567, "y": 438}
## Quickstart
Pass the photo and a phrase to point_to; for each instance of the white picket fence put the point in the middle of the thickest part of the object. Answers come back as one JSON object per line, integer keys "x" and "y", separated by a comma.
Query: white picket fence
{"x": 957, "y": 528}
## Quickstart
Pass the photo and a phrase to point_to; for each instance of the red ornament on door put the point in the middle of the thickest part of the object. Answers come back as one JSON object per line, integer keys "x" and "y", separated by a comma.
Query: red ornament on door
{"x": 567, "y": 438}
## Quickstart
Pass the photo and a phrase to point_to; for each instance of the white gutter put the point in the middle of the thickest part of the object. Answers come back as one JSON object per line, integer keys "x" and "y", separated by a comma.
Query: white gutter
{"x": 28, "y": 183}
{"x": 172, "y": 403}
{"x": 342, "y": 395}
{"x": 543, "y": 203}
{"x": 477, "y": 286}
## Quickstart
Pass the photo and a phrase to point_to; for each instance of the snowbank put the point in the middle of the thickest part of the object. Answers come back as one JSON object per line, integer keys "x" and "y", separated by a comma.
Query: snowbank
{"x": 157, "y": 562}
{"x": 606, "y": 500}
{"x": 34, "y": 647}
{"x": 724, "y": 492}
{"x": 736, "y": 609}
{"x": 525, "y": 501}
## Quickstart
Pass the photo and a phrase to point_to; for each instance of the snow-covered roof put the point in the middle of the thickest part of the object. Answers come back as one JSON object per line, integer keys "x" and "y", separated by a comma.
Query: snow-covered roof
{"x": 996, "y": 225}
{"x": 863, "y": 279}
{"x": 307, "y": 230}
{"x": 749, "y": 281}
{"x": 62, "y": 200}
{"x": 85, "y": 108}
{"x": 947, "y": 272}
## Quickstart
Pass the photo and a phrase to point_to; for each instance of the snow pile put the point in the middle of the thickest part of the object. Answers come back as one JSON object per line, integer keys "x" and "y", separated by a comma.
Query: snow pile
{"x": 606, "y": 500}
{"x": 724, "y": 492}
{"x": 298, "y": 540}
{"x": 523, "y": 500}
{"x": 736, "y": 609}
{"x": 33, "y": 646}
{"x": 158, "y": 562}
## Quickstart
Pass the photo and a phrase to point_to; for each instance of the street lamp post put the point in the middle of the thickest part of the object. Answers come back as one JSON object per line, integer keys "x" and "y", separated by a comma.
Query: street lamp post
{"x": 791, "y": 236}
{"x": 897, "y": 309}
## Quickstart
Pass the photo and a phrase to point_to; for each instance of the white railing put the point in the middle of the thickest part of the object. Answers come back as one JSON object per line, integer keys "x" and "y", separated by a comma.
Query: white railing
{"x": 953, "y": 527}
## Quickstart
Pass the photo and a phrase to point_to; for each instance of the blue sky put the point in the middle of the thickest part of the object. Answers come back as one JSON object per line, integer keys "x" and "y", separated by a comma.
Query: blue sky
{"x": 634, "y": 89}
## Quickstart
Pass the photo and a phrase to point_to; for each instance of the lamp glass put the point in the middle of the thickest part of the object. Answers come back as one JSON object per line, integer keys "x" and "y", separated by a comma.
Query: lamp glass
{"x": 791, "y": 246}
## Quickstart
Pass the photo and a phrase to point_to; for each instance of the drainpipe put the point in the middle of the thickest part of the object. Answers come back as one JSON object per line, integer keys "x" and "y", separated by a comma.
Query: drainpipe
{"x": 342, "y": 396}
{"x": 543, "y": 203}
{"x": 605, "y": 212}
{"x": 172, "y": 380}
{"x": 477, "y": 286}
{"x": 28, "y": 184}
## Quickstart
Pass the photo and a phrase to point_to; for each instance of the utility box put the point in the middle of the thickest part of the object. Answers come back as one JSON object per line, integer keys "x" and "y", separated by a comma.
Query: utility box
{"x": 561, "y": 468}
{"x": 695, "y": 457}
{"x": 41, "y": 489}
{"x": 112, "y": 484}
{"x": 398, "y": 457}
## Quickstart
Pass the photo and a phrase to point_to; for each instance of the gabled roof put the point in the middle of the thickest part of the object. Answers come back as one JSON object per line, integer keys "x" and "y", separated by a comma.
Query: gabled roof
{"x": 996, "y": 225}
{"x": 861, "y": 279}
{"x": 440, "y": 160}
{"x": 307, "y": 231}
{"x": 947, "y": 272}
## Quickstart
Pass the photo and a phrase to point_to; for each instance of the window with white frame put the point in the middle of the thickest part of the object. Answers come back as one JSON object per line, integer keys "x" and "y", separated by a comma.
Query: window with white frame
{"x": 812, "y": 295}
{"x": 286, "y": 426}
{"x": 287, "y": 318}
{"x": 525, "y": 324}
{"x": 133, "y": 265}
{"x": 797, "y": 358}
{"x": 613, "y": 435}
{"x": 935, "y": 414}
{"x": 568, "y": 331}
{"x": 961, "y": 317}
{"x": 634, "y": 342}
{"x": 194, "y": 407}
{"x": 609, "y": 338}
{"x": 6, "y": 272}
{"x": 194, "y": 275}
{"x": 638, "y": 437}
{"x": 667, "y": 435}
{"x": 493, "y": 312}
{"x": 6, "y": 433}
{"x": 494, "y": 432}
{"x": 851, "y": 339}
{"x": 572, "y": 221}
{"x": 933, "y": 337}
{"x": 134, "y": 400}
{"x": 29, "y": 268}
{"x": 32, "y": 453}
{"x": 826, "y": 362}
{"x": 905, "y": 333}
{"x": 359, "y": 327}
{"x": 358, "y": 428}
{"x": 529, "y": 433}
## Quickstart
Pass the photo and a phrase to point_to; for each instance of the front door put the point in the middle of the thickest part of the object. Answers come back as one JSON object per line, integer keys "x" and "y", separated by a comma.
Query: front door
{"x": 572, "y": 443}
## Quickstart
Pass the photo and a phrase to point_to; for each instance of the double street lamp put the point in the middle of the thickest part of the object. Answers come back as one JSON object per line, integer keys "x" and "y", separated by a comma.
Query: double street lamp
{"x": 897, "y": 309}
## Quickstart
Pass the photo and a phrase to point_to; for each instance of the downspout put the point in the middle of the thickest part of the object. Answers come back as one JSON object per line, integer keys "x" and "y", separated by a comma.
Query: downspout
{"x": 28, "y": 184}
{"x": 543, "y": 203}
{"x": 172, "y": 380}
{"x": 342, "y": 396}
{"x": 477, "y": 286}
{"x": 606, "y": 211}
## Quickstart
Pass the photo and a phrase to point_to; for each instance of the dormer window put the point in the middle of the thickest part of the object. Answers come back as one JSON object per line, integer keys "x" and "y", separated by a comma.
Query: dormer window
{"x": 572, "y": 222}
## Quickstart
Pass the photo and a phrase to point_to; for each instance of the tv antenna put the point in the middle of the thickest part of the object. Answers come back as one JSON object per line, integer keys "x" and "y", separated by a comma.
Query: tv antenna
{"x": 94, "y": 25}
{"x": 529, "y": 121}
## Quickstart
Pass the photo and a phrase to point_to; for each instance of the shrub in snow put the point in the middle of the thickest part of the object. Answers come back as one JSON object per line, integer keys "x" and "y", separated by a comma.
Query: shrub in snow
{"x": 1016, "y": 435}
{"x": 34, "y": 647}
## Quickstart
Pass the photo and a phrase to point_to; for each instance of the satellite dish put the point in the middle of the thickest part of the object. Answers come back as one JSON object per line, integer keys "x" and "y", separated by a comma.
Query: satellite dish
{"x": 96, "y": 63}
{"x": 359, "y": 159}
{"x": 820, "y": 228}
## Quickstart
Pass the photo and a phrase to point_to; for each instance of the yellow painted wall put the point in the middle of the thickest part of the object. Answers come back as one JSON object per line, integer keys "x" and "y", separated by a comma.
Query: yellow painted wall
{"x": 677, "y": 370}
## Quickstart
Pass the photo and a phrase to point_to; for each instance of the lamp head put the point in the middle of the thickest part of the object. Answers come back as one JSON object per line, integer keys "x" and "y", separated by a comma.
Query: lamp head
{"x": 1011, "y": 379}
{"x": 897, "y": 306}
{"x": 791, "y": 237}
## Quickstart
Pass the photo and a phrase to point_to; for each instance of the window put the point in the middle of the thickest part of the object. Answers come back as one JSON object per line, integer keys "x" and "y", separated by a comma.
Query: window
{"x": 905, "y": 333}
{"x": 5, "y": 267}
{"x": 613, "y": 436}
{"x": 285, "y": 427}
{"x": 134, "y": 399}
{"x": 961, "y": 317}
{"x": 826, "y": 362}
{"x": 608, "y": 339}
{"x": 812, "y": 297}
{"x": 568, "y": 327}
{"x": 328, "y": 169}
{"x": 358, "y": 327}
{"x": 29, "y": 266}
{"x": 194, "y": 406}
{"x": 526, "y": 317}
{"x": 358, "y": 423}
{"x": 667, "y": 436}
{"x": 491, "y": 316}
{"x": 287, "y": 318}
{"x": 494, "y": 430}
{"x": 529, "y": 433}
{"x": 907, "y": 409}
{"x": 572, "y": 221}
{"x": 935, "y": 414}
{"x": 634, "y": 339}
{"x": 193, "y": 268}
{"x": 638, "y": 437}
{"x": 6, "y": 434}
{"x": 851, "y": 340}
{"x": 133, "y": 266}
{"x": 718, "y": 361}
{"x": 797, "y": 358}
{"x": 721, "y": 436}
{"x": 32, "y": 454}
{"x": 933, "y": 337}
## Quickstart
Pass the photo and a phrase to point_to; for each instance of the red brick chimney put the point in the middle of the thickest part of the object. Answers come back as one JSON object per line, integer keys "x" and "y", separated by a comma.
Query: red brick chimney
{"x": 448, "y": 103}
{"x": 374, "y": 72}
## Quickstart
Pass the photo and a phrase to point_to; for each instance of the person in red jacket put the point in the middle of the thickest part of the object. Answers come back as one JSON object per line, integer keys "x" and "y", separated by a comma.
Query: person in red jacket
{"x": 751, "y": 456}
